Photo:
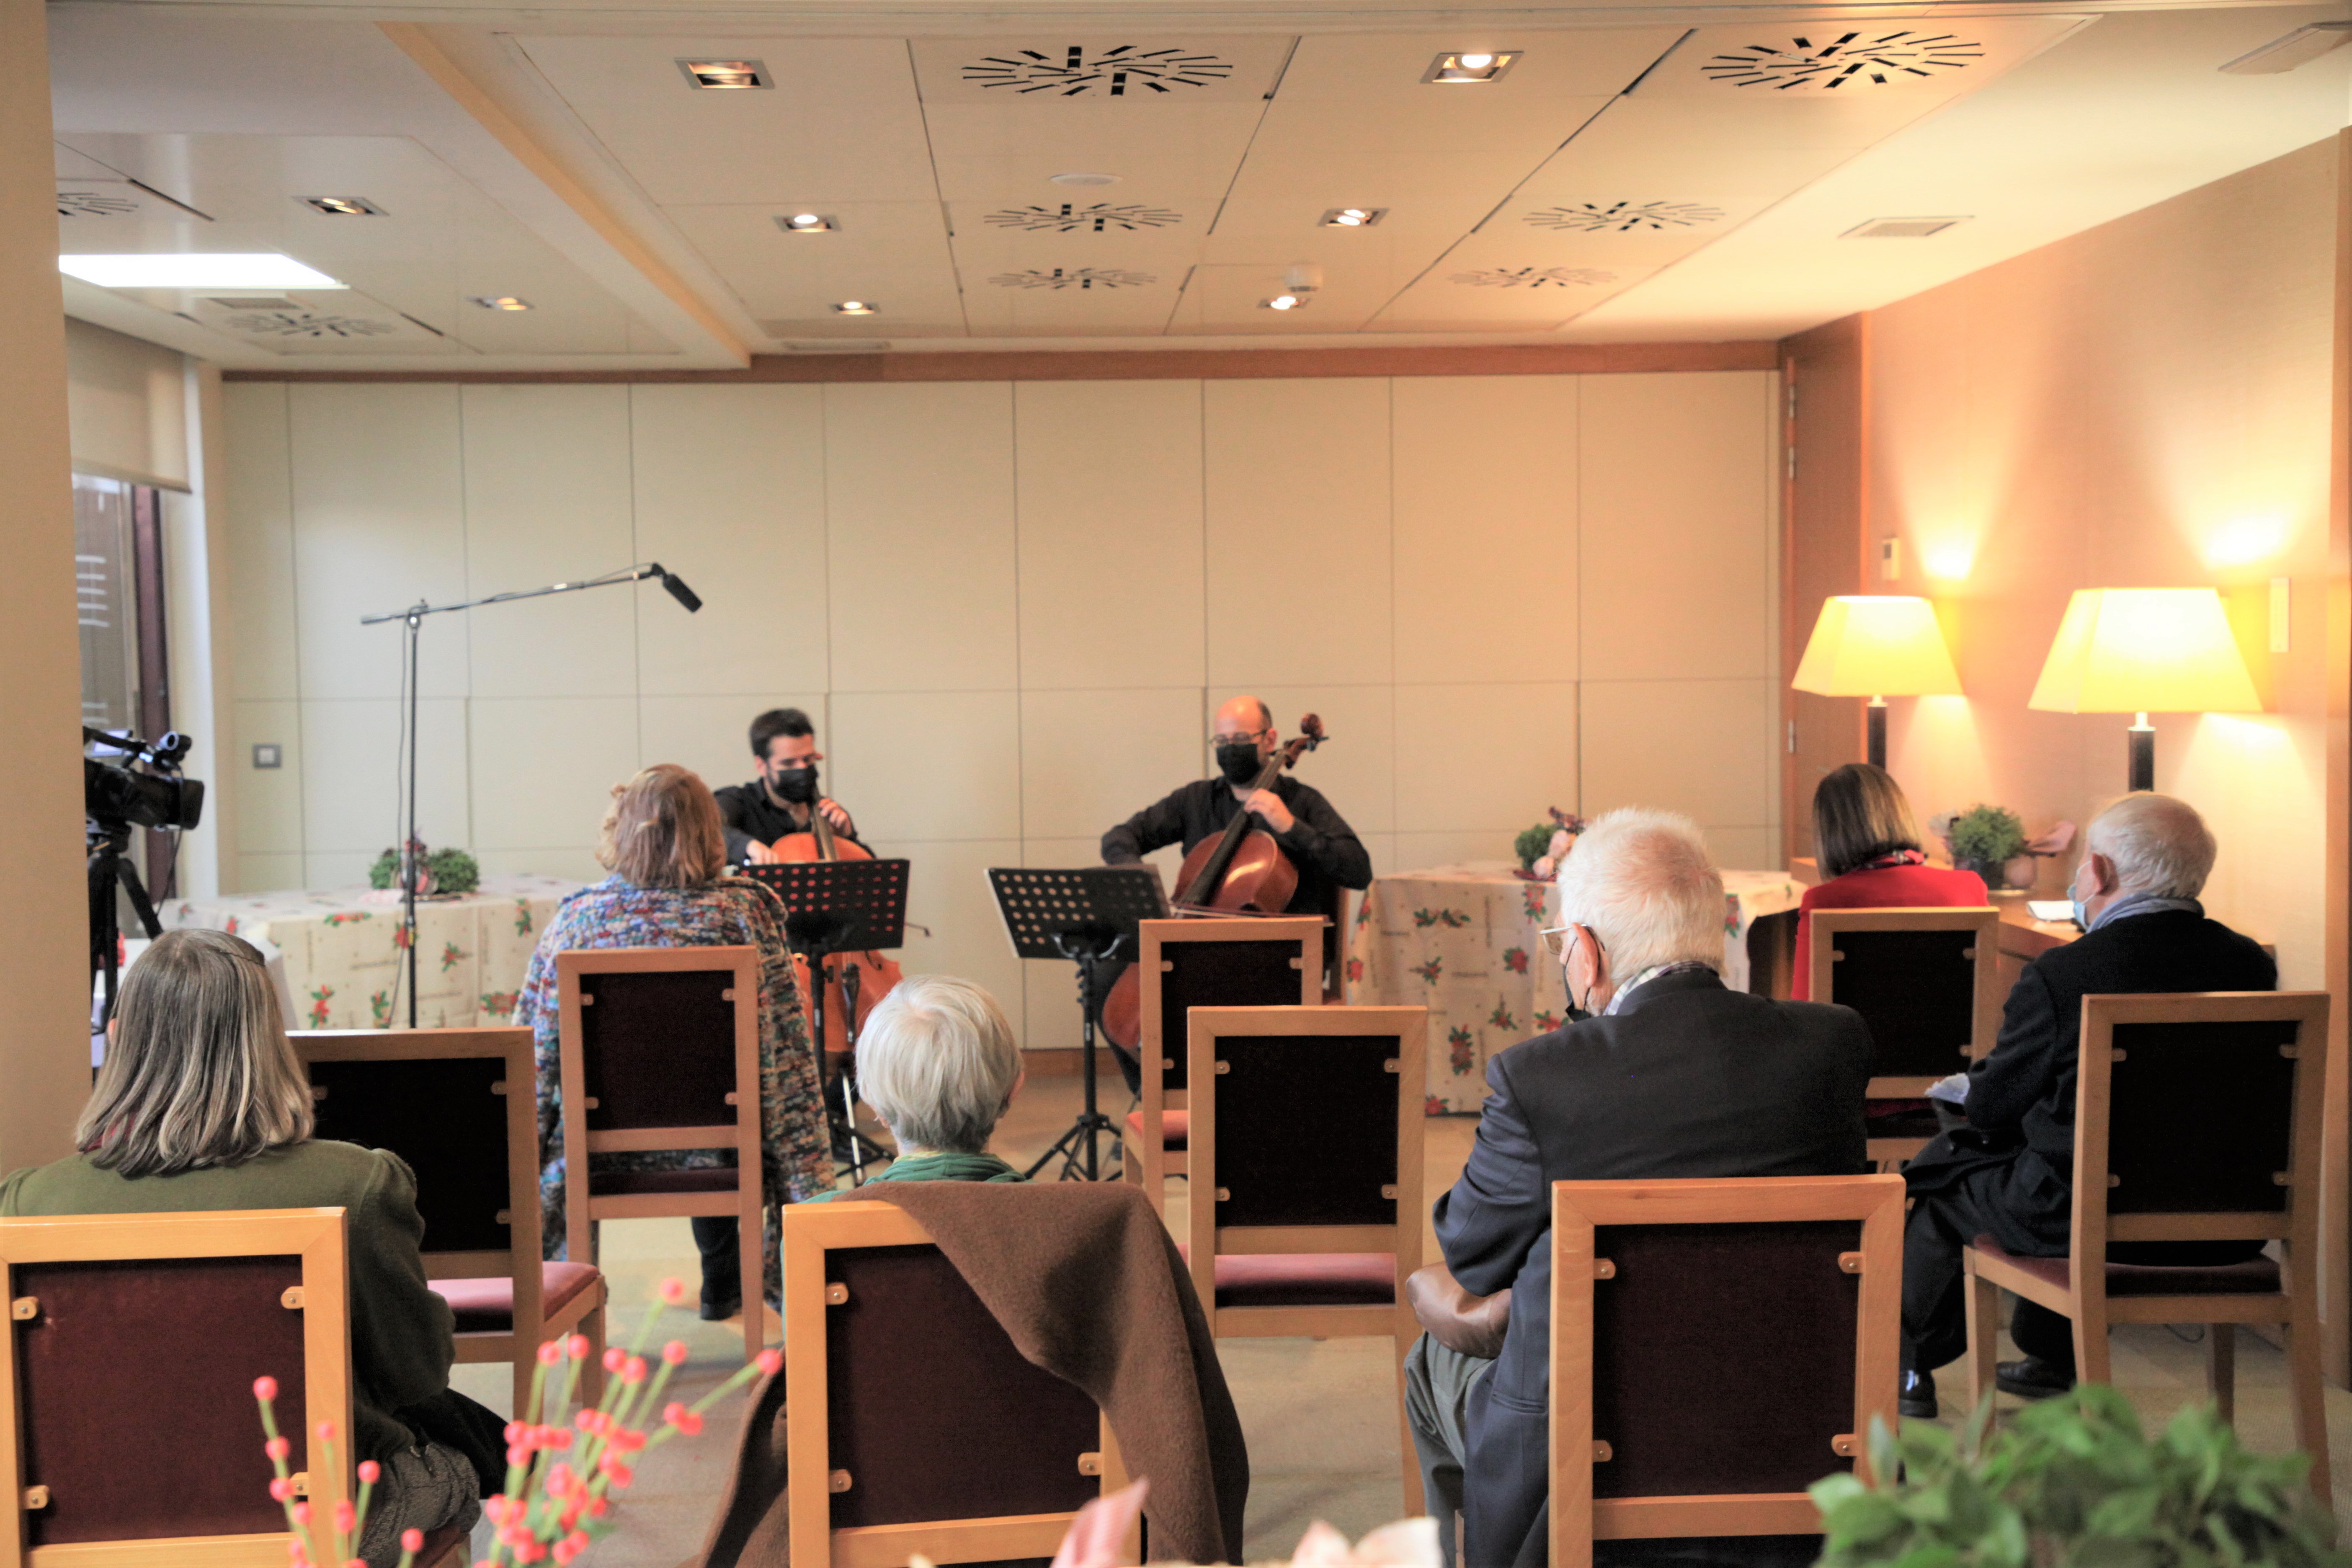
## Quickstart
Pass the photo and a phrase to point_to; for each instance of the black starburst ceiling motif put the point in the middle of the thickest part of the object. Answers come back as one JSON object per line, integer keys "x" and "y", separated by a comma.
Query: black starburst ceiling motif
{"x": 1624, "y": 217}
{"x": 1073, "y": 278}
{"x": 1534, "y": 276}
{"x": 303, "y": 324}
{"x": 1078, "y": 70}
{"x": 1850, "y": 59}
{"x": 1094, "y": 217}
{"x": 94, "y": 204}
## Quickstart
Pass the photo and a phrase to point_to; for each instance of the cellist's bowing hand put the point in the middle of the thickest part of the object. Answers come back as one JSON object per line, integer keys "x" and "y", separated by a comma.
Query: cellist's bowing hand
{"x": 1270, "y": 810}
{"x": 758, "y": 854}
{"x": 836, "y": 815}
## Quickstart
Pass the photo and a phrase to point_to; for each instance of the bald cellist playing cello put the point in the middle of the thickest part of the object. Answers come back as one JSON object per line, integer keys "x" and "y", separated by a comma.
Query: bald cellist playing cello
{"x": 1318, "y": 840}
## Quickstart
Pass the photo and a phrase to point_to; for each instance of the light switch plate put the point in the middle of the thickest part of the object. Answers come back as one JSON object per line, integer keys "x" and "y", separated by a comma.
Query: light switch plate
{"x": 267, "y": 756}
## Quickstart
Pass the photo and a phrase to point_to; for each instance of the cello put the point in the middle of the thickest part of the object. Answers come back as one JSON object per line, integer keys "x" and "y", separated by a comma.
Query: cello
{"x": 861, "y": 978}
{"x": 1241, "y": 871}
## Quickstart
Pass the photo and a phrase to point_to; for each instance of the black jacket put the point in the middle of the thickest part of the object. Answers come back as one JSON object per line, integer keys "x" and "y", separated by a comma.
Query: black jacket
{"x": 1688, "y": 1080}
{"x": 747, "y": 813}
{"x": 2022, "y": 1095}
{"x": 1320, "y": 843}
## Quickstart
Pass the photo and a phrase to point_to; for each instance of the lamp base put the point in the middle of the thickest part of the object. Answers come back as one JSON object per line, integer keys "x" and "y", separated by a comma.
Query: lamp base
{"x": 1877, "y": 720}
{"x": 2140, "y": 765}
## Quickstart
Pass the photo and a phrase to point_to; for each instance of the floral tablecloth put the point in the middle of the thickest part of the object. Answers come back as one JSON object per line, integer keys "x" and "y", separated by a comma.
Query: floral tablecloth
{"x": 340, "y": 952}
{"x": 1461, "y": 939}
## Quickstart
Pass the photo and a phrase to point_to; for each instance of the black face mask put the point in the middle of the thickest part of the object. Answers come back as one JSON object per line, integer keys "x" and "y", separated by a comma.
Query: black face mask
{"x": 1239, "y": 761}
{"x": 797, "y": 785}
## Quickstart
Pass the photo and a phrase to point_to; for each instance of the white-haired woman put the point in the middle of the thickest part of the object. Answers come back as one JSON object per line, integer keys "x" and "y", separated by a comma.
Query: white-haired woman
{"x": 939, "y": 1064}
{"x": 202, "y": 1105}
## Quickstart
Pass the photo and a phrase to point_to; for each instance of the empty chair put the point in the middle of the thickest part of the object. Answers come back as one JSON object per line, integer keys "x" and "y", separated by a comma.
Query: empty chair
{"x": 1927, "y": 983}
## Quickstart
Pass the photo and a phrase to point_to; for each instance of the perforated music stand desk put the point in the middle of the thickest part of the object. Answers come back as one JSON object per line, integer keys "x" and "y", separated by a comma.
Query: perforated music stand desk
{"x": 1088, "y": 915}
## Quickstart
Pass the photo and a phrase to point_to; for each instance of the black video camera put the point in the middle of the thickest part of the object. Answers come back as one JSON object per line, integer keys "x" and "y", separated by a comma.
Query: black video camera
{"x": 114, "y": 797}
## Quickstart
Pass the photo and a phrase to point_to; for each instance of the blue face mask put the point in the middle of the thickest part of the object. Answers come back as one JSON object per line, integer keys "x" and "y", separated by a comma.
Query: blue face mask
{"x": 2082, "y": 914}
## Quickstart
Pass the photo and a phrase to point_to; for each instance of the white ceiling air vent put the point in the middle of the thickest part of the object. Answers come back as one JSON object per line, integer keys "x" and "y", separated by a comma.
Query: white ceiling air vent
{"x": 1534, "y": 277}
{"x": 299, "y": 323}
{"x": 1094, "y": 217}
{"x": 253, "y": 302}
{"x": 1076, "y": 69}
{"x": 1623, "y": 216}
{"x": 1073, "y": 278}
{"x": 1822, "y": 62}
{"x": 1901, "y": 227}
{"x": 97, "y": 198}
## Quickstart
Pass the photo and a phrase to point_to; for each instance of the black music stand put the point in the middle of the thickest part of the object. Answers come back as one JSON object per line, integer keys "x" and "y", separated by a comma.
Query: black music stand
{"x": 839, "y": 906}
{"x": 1087, "y": 916}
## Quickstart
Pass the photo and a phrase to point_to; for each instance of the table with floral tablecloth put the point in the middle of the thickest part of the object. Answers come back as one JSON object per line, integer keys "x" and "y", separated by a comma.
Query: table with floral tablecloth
{"x": 342, "y": 951}
{"x": 1461, "y": 939}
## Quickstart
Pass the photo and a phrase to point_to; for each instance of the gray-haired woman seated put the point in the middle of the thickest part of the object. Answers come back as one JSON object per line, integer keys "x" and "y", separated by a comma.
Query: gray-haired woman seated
{"x": 939, "y": 1065}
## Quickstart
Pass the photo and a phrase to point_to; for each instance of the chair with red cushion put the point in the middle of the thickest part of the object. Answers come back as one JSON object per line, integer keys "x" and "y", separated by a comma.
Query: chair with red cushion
{"x": 460, "y": 1106}
{"x": 661, "y": 1053}
{"x": 1305, "y": 1156}
{"x": 1927, "y": 983}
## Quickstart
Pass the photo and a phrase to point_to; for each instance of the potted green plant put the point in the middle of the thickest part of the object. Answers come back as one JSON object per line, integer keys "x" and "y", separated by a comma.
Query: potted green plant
{"x": 2073, "y": 1483}
{"x": 1983, "y": 838}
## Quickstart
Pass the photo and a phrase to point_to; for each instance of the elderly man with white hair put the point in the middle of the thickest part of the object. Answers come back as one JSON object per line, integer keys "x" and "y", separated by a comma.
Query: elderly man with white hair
{"x": 1661, "y": 1073}
{"x": 938, "y": 1063}
{"x": 2008, "y": 1172}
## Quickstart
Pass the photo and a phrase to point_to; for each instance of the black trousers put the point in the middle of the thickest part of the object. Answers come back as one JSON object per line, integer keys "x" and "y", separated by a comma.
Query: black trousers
{"x": 719, "y": 1239}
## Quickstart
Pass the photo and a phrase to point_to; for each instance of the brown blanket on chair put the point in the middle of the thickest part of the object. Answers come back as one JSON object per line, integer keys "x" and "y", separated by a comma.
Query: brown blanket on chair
{"x": 1089, "y": 1287}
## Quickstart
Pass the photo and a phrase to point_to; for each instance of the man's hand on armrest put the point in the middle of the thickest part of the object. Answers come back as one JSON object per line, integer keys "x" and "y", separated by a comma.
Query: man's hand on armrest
{"x": 1472, "y": 1325}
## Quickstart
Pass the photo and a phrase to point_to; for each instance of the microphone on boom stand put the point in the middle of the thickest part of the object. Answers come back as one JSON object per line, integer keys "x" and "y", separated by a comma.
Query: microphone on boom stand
{"x": 677, "y": 588}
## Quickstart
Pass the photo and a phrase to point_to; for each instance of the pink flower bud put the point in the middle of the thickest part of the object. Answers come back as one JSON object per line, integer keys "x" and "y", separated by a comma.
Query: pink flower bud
{"x": 326, "y": 1430}
{"x": 282, "y": 1488}
{"x": 674, "y": 1353}
{"x": 565, "y": 1550}
{"x": 559, "y": 1478}
{"x": 633, "y": 1371}
{"x": 515, "y": 1429}
{"x": 301, "y": 1514}
{"x": 577, "y": 1346}
{"x": 771, "y": 1362}
{"x": 679, "y": 1417}
{"x": 550, "y": 1352}
{"x": 615, "y": 1357}
{"x": 345, "y": 1517}
{"x": 673, "y": 1291}
{"x": 277, "y": 1448}
{"x": 596, "y": 1506}
{"x": 530, "y": 1552}
{"x": 411, "y": 1541}
{"x": 517, "y": 1455}
{"x": 265, "y": 1388}
{"x": 370, "y": 1471}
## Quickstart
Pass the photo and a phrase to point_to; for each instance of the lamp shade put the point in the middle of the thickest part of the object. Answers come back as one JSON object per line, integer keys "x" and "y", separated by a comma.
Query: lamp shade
{"x": 1877, "y": 645}
{"x": 2145, "y": 650}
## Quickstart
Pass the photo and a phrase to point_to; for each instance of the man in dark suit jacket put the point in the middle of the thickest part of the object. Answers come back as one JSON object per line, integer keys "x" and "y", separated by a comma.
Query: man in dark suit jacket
{"x": 2008, "y": 1173}
{"x": 1662, "y": 1073}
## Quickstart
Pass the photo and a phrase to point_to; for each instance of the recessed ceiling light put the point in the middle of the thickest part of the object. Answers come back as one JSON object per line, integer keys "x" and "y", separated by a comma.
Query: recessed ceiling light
{"x": 499, "y": 301}
{"x": 857, "y": 308}
{"x": 196, "y": 269}
{"x": 1353, "y": 217}
{"x": 2299, "y": 48}
{"x": 729, "y": 76}
{"x": 1085, "y": 181}
{"x": 1487, "y": 64}
{"x": 1282, "y": 303}
{"x": 807, "y": 223}
{"x": 341, "y": 206}
{"x": 1900, "y": 227}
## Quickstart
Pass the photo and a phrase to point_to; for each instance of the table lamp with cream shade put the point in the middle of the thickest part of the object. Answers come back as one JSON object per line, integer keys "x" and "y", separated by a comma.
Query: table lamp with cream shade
{"x": 2142, "y": 651}
{"x": 1877, "y": 646}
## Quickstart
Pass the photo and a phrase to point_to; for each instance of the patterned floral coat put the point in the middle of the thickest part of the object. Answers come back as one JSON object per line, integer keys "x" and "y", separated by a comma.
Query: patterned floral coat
{"x": 795, "y": 1146}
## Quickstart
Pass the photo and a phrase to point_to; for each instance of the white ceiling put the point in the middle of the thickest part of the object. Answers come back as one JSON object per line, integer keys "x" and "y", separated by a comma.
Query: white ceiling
{"x": 1647, "y": 179}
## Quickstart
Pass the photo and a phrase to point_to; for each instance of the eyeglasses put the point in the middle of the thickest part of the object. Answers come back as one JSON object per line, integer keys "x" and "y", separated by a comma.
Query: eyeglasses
{"x": 1230, "y": 740}
{"x": 1554, "y": 938}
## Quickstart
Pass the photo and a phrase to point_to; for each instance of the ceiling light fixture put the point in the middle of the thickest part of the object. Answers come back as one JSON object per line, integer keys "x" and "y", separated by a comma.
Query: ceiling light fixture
{"x": 808, "y": 223}
{"x": 1282, "y": 303}
{"x": 726, "y": 76}
{"x": 1487, "y": 64}
{"x": 1085, "y": 181}
{"x": 857, "y": 308}
{"x": 196, "y": 269}
{"x": 2301, "y": 46}
{"x": 1353, "y": 217}
{"x": 1901, "y": 227}
{"x": 498, "y": 302}
{"x": 341, "y": 206}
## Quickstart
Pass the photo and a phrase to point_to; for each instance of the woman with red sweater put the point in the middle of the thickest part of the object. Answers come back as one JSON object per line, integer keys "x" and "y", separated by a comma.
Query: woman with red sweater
{"x": 1868, "y": 851}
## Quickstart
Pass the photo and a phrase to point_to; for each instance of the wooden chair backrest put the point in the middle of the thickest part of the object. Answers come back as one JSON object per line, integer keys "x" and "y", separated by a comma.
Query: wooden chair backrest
{"x": 915, "y": 1425}
{"x": 461, "y": 1106}
{"x": 661, "y": 1048}
{"x": 1926, "y": 981}
{"x": 1717, "y": 1347}
{"x": 2198, "y": 1117}
{"x": 126, "y": 1382}
{"x": 1191, "y": 964}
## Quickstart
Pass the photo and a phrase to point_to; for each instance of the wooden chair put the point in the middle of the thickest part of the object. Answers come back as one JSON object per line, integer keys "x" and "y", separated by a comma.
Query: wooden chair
{"x": 914, "y": 1425}
{"x": 1188, "y": 963}
{"x": 2197, "y": 1118}
{"x": 1927, "y": 981}
{"x": 661, "y": 1051}
{"x": 1306, "y": 1216}
{"x": 460, "y": 1106}
{"x": 127, "y": 1428}
{"x": 1717, "y": 1347}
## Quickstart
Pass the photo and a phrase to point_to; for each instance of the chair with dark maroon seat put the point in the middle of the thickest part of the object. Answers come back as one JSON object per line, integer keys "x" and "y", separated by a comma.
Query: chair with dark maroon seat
{"x": 914, "y": 1425}
{"x": 1927, "y": 983}
{"x": 661, "y": 1052}
{"x": 128, "y": 1431}
{"x": 2197, "y": 1118}
{"x": 1306, "y": 1207}
{"x": 1717, "y": 1347}
{"x": 460, "y": 1106}
{"x": 1188, "y": 964}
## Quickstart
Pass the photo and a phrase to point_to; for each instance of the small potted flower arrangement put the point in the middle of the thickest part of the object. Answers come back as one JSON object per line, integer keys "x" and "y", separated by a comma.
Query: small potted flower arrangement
{"x": 1542, "y": 847}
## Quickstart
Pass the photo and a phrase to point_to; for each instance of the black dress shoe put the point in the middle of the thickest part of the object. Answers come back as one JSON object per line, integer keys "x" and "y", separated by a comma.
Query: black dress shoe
{"x": 719, "y": 1311}
{"x": 1915, "y": 1395}
{"x": 2033, "y": 1378}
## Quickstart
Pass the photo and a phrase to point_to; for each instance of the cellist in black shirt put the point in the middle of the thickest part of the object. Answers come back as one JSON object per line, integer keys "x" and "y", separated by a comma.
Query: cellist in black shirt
{"x": 779, "y": 800}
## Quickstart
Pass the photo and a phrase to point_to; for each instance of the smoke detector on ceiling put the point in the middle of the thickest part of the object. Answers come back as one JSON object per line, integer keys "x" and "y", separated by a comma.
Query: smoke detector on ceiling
{"x": 1901, "y": 227}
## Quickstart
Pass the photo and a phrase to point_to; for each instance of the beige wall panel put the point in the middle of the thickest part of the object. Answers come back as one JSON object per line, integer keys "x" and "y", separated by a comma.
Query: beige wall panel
{"x": 918, "y": 492}
{"x": 1745, "y": 848}
{"x": 710, "y": 735}
{"x": 1383, "y": 849}
{"x": 268, "y": 874}
{"x": 1700, "y": 747}
{"x": 1420, "y": 851}
{"x": 350, "y": 753}
{"x": 262, "y": 660}
{"x": 947, "y": 890}
{"x": 1052, "y": 985}
{"x": 1356, "y": 768}
{"x": 729, "y": 485}
{"x": 928, "y": 764}
{"x": 1109, "y": 476}
{"x": 1676, "y": 526}
{"x": 1489, "y": 758}
{"x": 336, "y": 870}
{"x": 379, "y": 524}
{"x": 547, "y": 500}
{"x": 268, "y": 801}
{"x": 1089, "y": 760}
{"x": 1485, "y": 527}
{"x": 544, "y": 768}
{"x": 1299, "y": 531}
{"x": 578, "y": 864}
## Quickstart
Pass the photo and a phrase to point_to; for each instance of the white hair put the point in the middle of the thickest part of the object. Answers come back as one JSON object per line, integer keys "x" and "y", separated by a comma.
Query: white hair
{"x": 938, "y": 1063}
{"x": 1645, "y": 883}
{"x": 2158, "y": 844}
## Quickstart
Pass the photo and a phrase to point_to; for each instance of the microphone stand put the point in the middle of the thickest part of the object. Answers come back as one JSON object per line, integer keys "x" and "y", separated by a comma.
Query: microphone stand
{"x": 412, "y": 619}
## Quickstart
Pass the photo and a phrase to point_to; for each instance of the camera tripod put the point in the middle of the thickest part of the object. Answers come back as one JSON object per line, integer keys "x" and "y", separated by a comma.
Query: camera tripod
{"x": 108, "y": 872}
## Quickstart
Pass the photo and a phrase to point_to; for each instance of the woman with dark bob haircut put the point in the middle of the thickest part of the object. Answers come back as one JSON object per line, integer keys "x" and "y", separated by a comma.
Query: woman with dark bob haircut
{"x": 1868, "y": 849}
